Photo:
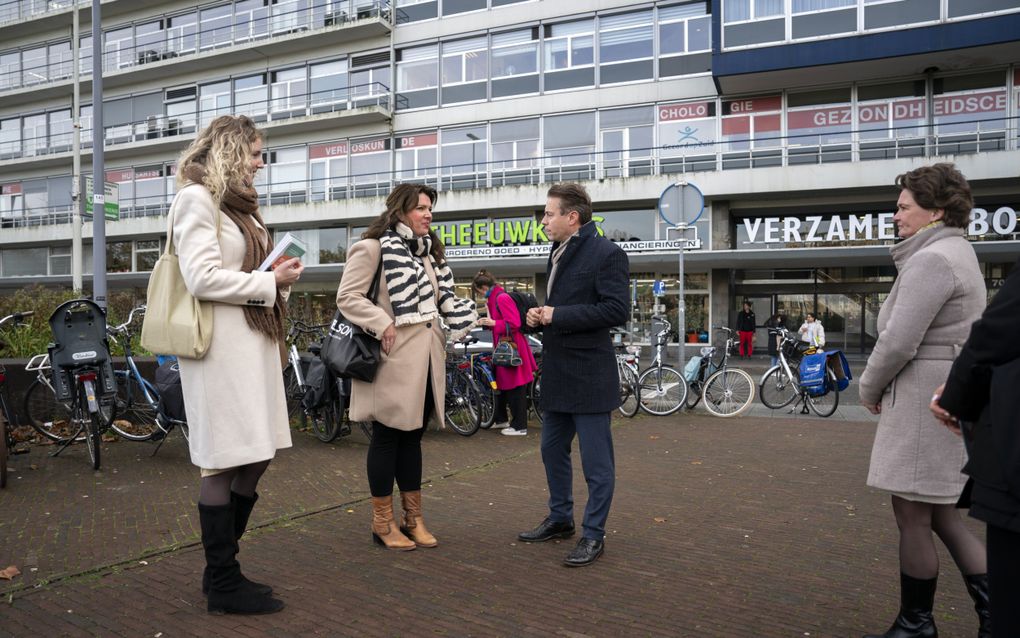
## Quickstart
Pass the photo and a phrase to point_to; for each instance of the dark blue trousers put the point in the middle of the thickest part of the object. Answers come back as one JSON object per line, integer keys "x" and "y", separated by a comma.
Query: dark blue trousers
{"x": 596, "y": 443}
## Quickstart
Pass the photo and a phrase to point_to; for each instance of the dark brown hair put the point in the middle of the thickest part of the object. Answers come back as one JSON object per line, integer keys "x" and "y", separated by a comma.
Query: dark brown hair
{"x": 483, "y": 278}
{"x": 402, "y": 199}
{"x": 572, "y": 197}
{"x": 940, "y": 186}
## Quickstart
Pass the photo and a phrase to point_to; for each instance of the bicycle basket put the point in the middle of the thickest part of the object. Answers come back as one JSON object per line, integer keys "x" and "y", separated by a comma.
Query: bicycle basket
{"x": 795, "y": 350}
{"x": 79, "y": 339}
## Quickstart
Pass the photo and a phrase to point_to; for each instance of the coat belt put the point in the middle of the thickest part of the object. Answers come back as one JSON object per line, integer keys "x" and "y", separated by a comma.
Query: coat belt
{"x": 937, "y": 353}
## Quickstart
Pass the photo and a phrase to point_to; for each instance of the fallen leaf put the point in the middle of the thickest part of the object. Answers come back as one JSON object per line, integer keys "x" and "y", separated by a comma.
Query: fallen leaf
{"x": 695, "y": 462}
{"x": 33, "y": 467}
{"x": 659, "y": 519}
{"x": 10, "y": 572}
{"x": 654, "y": 437}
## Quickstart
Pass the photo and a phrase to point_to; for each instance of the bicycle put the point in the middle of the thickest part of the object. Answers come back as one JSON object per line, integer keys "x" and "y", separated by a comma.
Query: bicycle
{"x": 294, "y": 374}
{"x": 661, "y": 389}
{"x": 82, "y": 370}
{"x": 727, "y": 392}
{"x": 535, "y": 392}
{"x": 462, "y": 402}
{"x": 480, "y": 371}
{"x": 780, "y": 385}
{"x": 136, "y": 413}
{"x": 630, "y": 387}
{"x": 7, "y": 420}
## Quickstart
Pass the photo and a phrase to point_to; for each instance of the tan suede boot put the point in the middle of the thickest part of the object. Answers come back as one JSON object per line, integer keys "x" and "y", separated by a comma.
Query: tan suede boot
{"x": 384, "y": 528}
{"x": 413, "y": 525}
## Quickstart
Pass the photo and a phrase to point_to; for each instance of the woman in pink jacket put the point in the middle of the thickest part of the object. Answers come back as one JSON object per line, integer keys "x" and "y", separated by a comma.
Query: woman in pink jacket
{"x": 512, "y": 382}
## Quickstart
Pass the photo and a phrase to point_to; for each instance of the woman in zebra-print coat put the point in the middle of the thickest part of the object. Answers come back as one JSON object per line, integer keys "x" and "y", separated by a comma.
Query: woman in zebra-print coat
{"x": 415, "y": 303}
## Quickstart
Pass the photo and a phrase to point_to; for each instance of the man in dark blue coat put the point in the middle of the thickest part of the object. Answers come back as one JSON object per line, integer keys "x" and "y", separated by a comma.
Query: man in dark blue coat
{"x": 586, "y": 295}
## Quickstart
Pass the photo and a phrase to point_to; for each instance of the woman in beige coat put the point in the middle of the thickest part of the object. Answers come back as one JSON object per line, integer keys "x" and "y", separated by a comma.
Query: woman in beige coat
{"x": 234, "y": 395}
{"x": 939, "y": 292}
{"x": 415, "y": 300}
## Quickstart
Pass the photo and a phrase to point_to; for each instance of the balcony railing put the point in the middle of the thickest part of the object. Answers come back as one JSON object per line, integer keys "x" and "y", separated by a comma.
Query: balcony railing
{"x": 15, "y": 11}
{"x": 193, "y": 38}
{"x": 580, "y": 166}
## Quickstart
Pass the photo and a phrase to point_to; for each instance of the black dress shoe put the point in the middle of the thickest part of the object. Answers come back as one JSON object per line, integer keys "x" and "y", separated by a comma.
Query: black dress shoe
{"x": 548, "y": 530}
{"x": 587, "y": 552}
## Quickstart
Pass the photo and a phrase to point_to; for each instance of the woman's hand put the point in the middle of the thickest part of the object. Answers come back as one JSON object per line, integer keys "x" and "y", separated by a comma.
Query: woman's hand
{"x": 874, "y": 408}
{"x": 389, "y": 336}
{"x": 288, "y": 272}
{"x": 486, "y": 322}
{"x": 944, "y": 417}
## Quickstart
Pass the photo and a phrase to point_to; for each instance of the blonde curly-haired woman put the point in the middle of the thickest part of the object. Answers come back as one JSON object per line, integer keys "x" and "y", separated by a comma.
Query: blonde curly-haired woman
{"x": 234, "y": 395}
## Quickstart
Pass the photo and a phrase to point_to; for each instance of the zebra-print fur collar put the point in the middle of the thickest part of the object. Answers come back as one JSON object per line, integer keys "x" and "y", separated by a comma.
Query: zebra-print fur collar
{"x": 412, "y": 295}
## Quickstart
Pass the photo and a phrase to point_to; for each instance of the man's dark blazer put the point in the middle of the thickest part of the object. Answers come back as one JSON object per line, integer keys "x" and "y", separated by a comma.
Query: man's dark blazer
{"x": 590, "y": 295}
{"x": 983, "y": 389}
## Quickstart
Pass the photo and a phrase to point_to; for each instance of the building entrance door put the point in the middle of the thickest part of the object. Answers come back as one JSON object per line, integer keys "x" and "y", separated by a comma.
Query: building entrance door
{"x": 762, "y": 306}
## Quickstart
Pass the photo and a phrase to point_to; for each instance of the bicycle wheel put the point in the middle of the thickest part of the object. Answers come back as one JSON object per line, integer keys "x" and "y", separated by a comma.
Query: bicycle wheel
{"x": 825, "y": 405}
{"x": 729, "y": 392}
{"x": 3, "y": 451}
{"x": 661, "y": 390}
{"x": 49, "y": 417}
{"x": 293, "y": 393}
{"x": 535, "y": 397}
{"x": 134, "y": 418}
{"x": 326, "y": 421}
{"x": 487, "y": 401}
{"x": 630, "y": 392}
{"x": 462, "y": 404}
{"x": 693, "y": 394}
{"x": 777, "y": 389}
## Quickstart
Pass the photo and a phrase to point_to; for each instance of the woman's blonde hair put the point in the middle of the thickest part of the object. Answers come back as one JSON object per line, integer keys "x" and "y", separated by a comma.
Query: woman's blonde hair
{"x": 223, "y": 150}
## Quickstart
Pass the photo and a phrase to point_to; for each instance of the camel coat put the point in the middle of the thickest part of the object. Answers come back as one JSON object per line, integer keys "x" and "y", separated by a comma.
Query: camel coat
{"x": 234, "y": 396}
{"x": 396, "y": 398}
{"x": 939, "y": 292}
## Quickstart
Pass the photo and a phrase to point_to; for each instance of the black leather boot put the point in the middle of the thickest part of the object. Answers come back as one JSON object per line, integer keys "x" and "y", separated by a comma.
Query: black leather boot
{"x": 227, "y": 593}
{"x": 977, "y": 587}
{"x": 243, "y": 506}
{"x": 917, "y": 598}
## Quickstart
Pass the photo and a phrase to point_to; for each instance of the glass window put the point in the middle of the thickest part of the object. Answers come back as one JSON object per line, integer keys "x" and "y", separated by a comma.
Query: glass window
{"x": 570, "y": 45}
{"x": 289, "y": 90}
{"x": 288, "y": 170}
{"x": 33, "y": 132}
{"x": 752, "y": 121}
{"x": 213, "y": 101}
{"x": 33, "y": 66}
{"x": 150, "y": 41}
{"x": 465, "y": 61}
{"x": 251, "y": 20}
{"x": 684, "y": 29}
{"x": 570, "y": 135}
{"x": 329, "y": 84}
{"x": 515, "y": 143}
{"x": 12, "y": 200}
{"x": 10, "y": 70}
{"x": 60, "y": 260}
{"x": 888, "y": 111}
{"x": 24, "y": 262}
{"x": 818, "y": 118}
{"x": 325, "y": 245}
{"x": 631, "y": 225}
{"x": 514, "y": 53}
{"x": 149, "y": 186}
{"x": 328, "y": 164}
{"x": 118, "y": 256}
{"x": 118, "y": 48}
{"x": 687, "y": 128}
{"x": 125, "y": 180}
{"x": 37, "y": 200}
{"x": 804, "y": 6}
{"x": 182, "y": 33}
{"x": 290, "y": 15}
{"x": 251, "y": 96}
{"x": 216, "y": 26}
{"x": 85, "y": 55}
{"x": 625, "y": 37}
{"x": 416, "y": 156}
{"x": 370, "y": 83}
{"x": 738, "y": 10}
{"x": 970, "y": 103}
{"x": 10, "y": 138}
{"x": 61, "y": 130}
{"x": 370, "y": 165}
{"x": 59, "y": 60}
{"x": 418, "y": 69}
{"x": 415, "y": 10}
{"x": 180, "y": 110}
{"x": 464, "y": 150}
{"x": 627, "y": 138}
{"x": 146, "y": 254}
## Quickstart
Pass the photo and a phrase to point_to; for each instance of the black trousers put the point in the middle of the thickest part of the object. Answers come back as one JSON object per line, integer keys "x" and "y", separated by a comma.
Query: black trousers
{"x": 517, "y": 401}
{"x": 396, "y": 454}
{"x": 1004, "y": 580}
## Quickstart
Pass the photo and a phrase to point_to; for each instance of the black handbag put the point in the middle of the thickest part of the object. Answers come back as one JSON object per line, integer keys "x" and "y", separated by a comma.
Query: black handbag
{"x": 348, "y": 350}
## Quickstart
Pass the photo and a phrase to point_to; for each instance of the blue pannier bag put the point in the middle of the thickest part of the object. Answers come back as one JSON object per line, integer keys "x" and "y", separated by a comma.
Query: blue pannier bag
{"x": 691, "y": 368}
{"x": 812, "y": 374}
{"x": 840, "y": 368}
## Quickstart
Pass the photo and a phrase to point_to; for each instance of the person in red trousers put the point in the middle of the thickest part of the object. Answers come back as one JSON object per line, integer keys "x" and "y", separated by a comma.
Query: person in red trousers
{"x": 745, "y": 328}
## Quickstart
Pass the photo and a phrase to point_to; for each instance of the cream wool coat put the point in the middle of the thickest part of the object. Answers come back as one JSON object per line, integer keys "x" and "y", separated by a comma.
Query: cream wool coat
{"x": 938, "y": 293}
{"x": 396, "y": 398}
{"x": 237, "y": 412}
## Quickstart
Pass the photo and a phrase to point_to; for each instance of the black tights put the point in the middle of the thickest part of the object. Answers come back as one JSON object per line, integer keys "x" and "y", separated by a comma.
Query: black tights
{"x": 396, "y": 454}
{"x": 215, "y": 489}
{"x": 516, "y": 399}
{"x": 918, "y": 557}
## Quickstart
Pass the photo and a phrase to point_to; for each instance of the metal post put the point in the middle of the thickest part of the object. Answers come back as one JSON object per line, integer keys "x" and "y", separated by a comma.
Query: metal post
{"x": 76, "y": 201}
{"x": 681, "y": 307}
{"x": 98, "y": 172}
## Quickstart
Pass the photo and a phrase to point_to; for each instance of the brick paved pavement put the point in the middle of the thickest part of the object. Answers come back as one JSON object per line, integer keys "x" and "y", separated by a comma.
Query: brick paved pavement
{"x": 738, "y": 528}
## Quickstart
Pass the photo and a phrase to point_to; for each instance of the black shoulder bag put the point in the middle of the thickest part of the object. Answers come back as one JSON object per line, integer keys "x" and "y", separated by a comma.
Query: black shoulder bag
{"x": 347, "y": 349}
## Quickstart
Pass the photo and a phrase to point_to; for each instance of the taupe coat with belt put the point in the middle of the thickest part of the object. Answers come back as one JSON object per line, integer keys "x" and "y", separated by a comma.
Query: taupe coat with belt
{"x": 938, "y": 293}
{"x": 396, "y": 397}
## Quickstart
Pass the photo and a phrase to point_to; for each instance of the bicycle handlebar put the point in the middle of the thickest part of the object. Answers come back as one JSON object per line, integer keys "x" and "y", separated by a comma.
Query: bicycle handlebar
{"x": 123, "y": 328}
{"x": 17, "y": 317}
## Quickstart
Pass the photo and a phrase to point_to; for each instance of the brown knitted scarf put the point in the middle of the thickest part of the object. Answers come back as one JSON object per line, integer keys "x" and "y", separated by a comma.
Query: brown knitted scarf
{"x": 241, "y": 206}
